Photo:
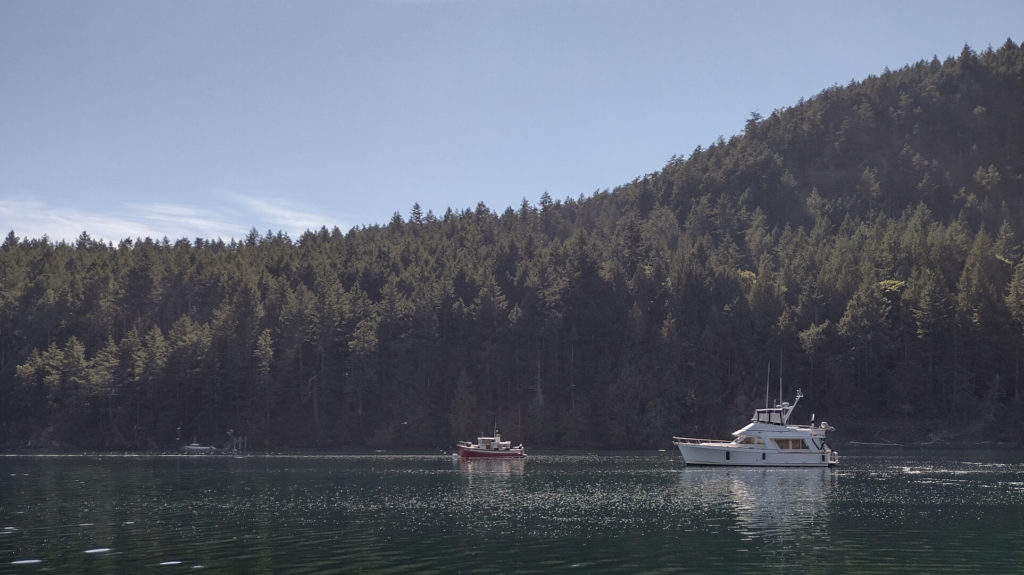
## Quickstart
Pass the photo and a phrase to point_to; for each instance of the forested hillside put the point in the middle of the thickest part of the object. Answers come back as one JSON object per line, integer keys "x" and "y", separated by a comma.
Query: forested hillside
{"x": 866, "y": 240}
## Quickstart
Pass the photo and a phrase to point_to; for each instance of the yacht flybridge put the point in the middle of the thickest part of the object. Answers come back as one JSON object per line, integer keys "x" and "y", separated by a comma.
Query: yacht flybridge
{"x": 767, "y": 440}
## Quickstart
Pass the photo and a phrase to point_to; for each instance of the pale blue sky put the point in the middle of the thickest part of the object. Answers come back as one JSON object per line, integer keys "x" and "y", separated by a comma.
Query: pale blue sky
{"x": 185, "y": 119}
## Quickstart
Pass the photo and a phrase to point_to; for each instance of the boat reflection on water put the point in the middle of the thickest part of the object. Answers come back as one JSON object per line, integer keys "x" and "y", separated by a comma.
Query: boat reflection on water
{"x": 764, "y": 501}
{"x": 492, "y": 467}
{"x": 489, "y": 491}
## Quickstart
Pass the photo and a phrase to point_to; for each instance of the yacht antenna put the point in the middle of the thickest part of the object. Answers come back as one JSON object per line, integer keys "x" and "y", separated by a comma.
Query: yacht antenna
{"x": 767, "y": 385}
{"x": 780, "y": 377}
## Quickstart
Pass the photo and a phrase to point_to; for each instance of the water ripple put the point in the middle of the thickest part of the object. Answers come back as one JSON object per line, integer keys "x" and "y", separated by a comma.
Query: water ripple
{"x": 584, "y": 513}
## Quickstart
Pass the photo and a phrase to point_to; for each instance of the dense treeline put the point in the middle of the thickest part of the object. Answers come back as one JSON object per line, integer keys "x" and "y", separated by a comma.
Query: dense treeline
{"x": 867, "y": 241}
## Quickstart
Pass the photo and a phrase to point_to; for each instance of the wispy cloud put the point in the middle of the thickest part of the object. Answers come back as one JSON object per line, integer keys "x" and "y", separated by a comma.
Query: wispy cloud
{"x": 35, "y": 219}
{"x": 232, "y": 218}
{"x": 284, "y": 213}
{"x": 186, "y": 221}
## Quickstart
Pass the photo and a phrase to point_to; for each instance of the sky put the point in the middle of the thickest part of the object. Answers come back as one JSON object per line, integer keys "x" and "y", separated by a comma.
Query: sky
{"x": 206, "y": 119}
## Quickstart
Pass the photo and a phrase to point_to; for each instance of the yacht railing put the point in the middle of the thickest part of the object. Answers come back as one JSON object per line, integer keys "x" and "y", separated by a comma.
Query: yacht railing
{"x": 695, "y": 441}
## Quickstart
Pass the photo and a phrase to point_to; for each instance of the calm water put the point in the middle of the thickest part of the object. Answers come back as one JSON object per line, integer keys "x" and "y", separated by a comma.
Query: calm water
{"x": 935, "y": 512}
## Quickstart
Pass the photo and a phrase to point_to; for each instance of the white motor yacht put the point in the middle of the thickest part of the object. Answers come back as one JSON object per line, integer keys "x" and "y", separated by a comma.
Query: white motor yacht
{"x": 767, "y": 440}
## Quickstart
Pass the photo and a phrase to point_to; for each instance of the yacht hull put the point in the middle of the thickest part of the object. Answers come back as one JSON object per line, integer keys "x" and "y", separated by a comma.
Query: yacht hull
{"x": 728, "y": 455}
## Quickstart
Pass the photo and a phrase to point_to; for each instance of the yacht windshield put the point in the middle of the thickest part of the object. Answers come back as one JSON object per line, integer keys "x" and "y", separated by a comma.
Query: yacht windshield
{"x": 768, "y": 416}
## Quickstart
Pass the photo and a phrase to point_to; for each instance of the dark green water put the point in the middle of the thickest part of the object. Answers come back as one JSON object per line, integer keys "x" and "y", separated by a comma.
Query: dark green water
{"x": 880, "y": 512}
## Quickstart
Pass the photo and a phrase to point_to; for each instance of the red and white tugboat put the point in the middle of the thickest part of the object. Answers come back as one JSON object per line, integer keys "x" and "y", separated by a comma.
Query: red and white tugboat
{"x": 490, "y": 447}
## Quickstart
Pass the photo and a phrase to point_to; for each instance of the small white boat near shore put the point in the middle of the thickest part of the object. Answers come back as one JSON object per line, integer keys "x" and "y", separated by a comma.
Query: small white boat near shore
{"x": 768, "y": 440}
{"x": 490, "y": 447}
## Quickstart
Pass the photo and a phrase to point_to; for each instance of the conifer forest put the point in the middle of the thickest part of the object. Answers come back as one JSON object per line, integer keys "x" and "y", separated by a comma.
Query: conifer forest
{"x": 865, "y": 245}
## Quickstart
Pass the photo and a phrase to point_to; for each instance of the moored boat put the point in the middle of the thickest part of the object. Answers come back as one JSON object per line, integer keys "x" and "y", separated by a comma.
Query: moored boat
{"x": 490, "y": 447}
{"x": 768, "y": 440}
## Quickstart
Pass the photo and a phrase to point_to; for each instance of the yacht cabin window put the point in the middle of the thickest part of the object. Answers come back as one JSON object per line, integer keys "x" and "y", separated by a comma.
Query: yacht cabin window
{"x": 748, "y": 440}
{"x": 791, "y": 443}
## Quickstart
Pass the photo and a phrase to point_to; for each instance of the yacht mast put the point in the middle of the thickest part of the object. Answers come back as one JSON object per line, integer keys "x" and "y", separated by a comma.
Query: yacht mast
{"x": 767, "y": 384}
{"x": 780, "y": 377}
